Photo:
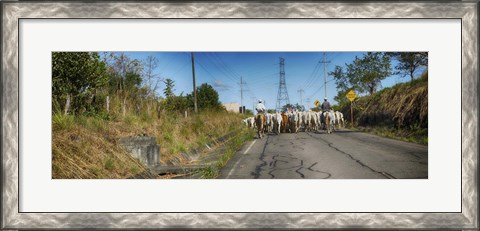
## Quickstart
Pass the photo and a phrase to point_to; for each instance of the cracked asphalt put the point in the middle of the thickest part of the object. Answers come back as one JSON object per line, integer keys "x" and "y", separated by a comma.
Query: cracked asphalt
{"x": 343, "y": 154}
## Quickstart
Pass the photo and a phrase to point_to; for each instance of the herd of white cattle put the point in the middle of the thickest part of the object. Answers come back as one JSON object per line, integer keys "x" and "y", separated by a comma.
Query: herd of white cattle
{"x": 293, "y": 122}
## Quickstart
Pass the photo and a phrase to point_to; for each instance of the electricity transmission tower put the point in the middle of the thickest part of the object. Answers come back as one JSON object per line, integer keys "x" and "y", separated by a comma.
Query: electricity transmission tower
{"x": 282, "y": 96}
{"x": 301, "y": 99}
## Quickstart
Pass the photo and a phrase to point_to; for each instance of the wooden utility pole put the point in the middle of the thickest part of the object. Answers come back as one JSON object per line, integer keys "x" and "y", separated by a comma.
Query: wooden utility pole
{"x": 325, "y": 72}
{"x": 194, "y": 85}
{"x": 351, "y": 112}
{"x": 241, "y": 95}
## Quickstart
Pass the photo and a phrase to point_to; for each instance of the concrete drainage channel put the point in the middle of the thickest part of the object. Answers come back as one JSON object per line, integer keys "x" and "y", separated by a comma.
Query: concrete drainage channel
{"x": 147, "y": 151}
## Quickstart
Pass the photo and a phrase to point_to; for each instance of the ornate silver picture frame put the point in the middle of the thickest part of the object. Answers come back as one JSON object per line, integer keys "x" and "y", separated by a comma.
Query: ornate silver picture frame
{"x": 12, "y": 12}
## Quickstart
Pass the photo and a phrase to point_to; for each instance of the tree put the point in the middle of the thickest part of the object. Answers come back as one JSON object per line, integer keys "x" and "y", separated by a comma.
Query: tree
{"x": 207, "y": 97}
{"x": 151, "y": 79}
{"x": 365, "y": 74}
{"x": 75, "y": 77}
{"x": 172, "y": 102}
{"x": 168, "y": 91}
{"x": 177, "y": 103}
{"x": 299, "y": 107}
{"x": 287, "y": 106}
{"x": 342, "y": 82}
{"x": 409, "y": 62}
{"x": 120, "y": 66}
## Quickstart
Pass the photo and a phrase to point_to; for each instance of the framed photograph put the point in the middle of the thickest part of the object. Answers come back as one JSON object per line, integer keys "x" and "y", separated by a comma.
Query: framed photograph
{"x": 92, "y": 91}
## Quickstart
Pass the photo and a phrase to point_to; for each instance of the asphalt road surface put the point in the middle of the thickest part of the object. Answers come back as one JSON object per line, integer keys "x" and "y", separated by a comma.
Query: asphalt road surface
{"x": 343, "y": 154}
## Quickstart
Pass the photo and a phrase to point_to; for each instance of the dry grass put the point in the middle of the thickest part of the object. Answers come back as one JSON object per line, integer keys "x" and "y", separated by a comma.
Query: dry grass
{"x": 80, "y": 152}
{"x": 399, "y": 112}
{"x": 86, "y": 147}
{"x": 402, "y": 106}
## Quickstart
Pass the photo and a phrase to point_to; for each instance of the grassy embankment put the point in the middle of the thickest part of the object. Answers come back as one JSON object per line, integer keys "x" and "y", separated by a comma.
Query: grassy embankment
{"x": 86, "y": 147}
{"x": 229, "y": 151}
{"x": 399, "y": 112}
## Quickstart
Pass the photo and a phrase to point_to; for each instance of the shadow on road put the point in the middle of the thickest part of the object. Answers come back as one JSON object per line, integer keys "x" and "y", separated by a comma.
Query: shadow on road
{"x": 336, "y": 131}
{"x": 315, "y": 132}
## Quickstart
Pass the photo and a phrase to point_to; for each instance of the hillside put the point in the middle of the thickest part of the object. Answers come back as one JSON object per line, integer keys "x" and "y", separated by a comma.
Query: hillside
{"x": 87, "y": 147}
{"x": 400, "y": 111}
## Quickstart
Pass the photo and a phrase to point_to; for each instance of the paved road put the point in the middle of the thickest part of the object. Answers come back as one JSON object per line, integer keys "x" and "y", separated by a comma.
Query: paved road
{"x": 343, "y": 154}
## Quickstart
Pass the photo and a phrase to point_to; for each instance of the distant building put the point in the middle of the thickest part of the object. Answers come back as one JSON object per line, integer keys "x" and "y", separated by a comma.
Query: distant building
{"x": 232, "y": 107}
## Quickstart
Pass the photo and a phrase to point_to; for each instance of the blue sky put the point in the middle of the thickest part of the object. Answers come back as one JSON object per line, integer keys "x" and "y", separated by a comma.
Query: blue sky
{"x": 259, "y": 71}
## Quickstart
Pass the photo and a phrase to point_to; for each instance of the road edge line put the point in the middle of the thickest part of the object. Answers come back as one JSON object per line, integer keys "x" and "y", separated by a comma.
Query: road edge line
{"x": 248, "y": 149}
{"x": 236, "y": 163}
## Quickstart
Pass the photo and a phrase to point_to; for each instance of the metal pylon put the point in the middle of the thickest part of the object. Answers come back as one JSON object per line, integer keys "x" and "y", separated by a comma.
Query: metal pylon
{"x": 282, "y": 96}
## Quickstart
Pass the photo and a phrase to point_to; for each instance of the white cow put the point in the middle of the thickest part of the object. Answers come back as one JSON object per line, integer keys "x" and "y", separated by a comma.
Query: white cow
{"x": 313, "y": 121}
{"x": 299, "y": 120}
{"x": 339, "y": 119}
{"x": 277, "y": 121}
{"x": 269, "y": 122}
{"x": 292, "y": 121}
{"x": 250, "y": 122}
{"x": 329, "y": 120}
{"x": 318, "y": 116}
{"x": 246, "y": 122}
{"x": 306, "y": 121}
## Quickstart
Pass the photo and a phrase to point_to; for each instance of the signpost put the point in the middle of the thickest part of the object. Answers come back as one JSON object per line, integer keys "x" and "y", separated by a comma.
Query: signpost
{"x": 351, "y": 95}
{"x": 317, "y": 103}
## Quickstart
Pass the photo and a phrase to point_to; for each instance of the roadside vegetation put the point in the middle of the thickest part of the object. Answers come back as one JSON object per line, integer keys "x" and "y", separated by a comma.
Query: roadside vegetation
{"x": 86, "y": 146}
{"x": 98, "y": 99}
{"x": 229, "y": 150}
{"x": 399, "y": 112}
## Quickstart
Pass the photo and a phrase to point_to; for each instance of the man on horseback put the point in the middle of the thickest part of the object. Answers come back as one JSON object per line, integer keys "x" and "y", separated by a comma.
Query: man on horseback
{"x": 260, "y": 107}
{"x": 326, "y": 105}
{"x": 328, "y": 116}
{"x": 260, "y": 117}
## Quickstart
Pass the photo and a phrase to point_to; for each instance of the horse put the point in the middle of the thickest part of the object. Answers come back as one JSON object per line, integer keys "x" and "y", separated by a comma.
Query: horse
{"x": 260, "y": 121}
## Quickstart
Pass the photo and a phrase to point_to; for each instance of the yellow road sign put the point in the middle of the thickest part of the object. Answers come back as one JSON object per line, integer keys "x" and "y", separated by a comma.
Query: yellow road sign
{"x": 317, "y": 103}
{"x": 351, "y": 95}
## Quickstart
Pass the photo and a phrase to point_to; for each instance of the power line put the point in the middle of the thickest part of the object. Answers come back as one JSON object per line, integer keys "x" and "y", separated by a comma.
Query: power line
{"x": 320, "y": 88}
{"x": 312, "y": 78}
{"x": 220, "y": 67}
{"x": 225, "y": 66}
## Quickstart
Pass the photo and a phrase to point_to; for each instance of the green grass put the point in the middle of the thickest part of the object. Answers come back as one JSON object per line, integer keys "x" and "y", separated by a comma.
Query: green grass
{"x": 85, "y": 146}
{"x": 231, "y": 147}
{"x": 210, "y": 172}
{"x": 109, "y": 164}
{"x": 398, "y": 112}
{"x": 418, "y": 136}
{"x": 62, "y": 122}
